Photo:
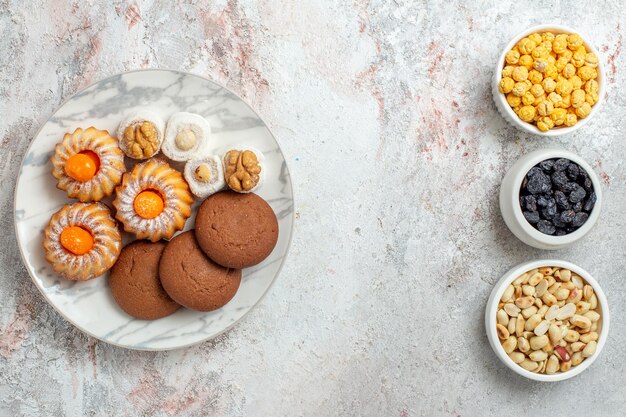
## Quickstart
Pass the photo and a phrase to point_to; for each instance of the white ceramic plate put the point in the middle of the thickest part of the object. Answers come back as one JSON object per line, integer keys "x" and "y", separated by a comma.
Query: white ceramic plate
{"x": 89, "y": 305}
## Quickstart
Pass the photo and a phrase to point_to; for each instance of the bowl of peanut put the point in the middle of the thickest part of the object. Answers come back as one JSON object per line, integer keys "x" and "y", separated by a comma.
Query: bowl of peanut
{"x": 549, "y": 81}
{"x": 547, "y": 320}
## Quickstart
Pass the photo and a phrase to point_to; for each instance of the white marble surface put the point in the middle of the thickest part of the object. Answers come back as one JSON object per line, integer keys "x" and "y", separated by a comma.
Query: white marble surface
{"x": 396, "y": 152}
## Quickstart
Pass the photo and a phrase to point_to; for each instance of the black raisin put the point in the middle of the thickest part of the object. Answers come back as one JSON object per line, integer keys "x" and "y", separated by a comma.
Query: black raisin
{"x": 539, "y": 183}
{"x": 591, "y": 201}
{"x": 560, "y": 232}
{"x": 578, "y": 206}
{"x": 569, "y": 187}
{"x": 561, "y": 164}
{"x": 577, "y": 194}
{"x": 561, "y": 200}
{"x": 568, "y": 216}
{"x": 532, "y": 216}
{"x": 573, "y": 171}
{"x": 559, "y": 179}
{"x": 531, "y": 203}
{"x": 546, "y": 227}
{"x": 534, "y": 171}
{"x": 547, "y": 165}
{"x": 548, "y": 212}
{"x": 588, "y": 184}
{"x": 557, "y": 221}
{"x": 542, "y": 201}
{"x": 580, "y": 219}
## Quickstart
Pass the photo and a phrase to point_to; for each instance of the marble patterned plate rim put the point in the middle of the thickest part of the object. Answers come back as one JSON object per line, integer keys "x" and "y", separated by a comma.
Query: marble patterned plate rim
{"x": 22, "y": 247}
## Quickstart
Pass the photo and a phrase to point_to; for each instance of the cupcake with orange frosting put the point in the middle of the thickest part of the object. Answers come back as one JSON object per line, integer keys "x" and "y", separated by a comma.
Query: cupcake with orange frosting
{"x": 88, "y": 164}
{"x": 82, "y": 241}
{"x": 153, "y": 201}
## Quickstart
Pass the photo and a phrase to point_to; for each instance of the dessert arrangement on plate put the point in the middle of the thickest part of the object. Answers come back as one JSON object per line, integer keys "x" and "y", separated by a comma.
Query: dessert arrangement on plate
{"x": 158, "y": 272}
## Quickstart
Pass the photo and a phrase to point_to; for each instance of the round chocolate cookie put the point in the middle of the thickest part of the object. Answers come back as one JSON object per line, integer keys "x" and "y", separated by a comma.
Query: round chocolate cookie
{"x": 236, "y": 230}
{"x": 192, "y": 279}
{"x": 135, "y": 284}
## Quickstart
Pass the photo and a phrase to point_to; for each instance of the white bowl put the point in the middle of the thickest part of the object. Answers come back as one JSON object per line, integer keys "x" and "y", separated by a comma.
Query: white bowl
{"x": 512, "y": 212}
{"x": 507, "y": 112}
{"x": 492, "y": 308}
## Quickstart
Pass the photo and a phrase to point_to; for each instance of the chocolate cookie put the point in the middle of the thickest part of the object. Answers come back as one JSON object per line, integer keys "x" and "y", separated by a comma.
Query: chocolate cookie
{"x": 135, "y": 284}
{"x": 236, "y": 230}
{"x": 192, "y": 279}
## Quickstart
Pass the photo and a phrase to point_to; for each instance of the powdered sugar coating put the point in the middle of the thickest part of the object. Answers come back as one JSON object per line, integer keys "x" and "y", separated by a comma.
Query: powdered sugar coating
{"x": 183, "y": 120}
{"x": 111, "y": 168}
{"x": 107, "y": 241}
{"x": 216, "y": 182}
{"x": 154, "y": 175}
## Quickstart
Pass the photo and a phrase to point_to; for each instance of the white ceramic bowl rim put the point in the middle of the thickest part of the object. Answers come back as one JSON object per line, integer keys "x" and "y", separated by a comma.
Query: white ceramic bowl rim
{"x": 492, "y": 308}
{"x": 530, "y": 128}
{"x": 569, "y": 238}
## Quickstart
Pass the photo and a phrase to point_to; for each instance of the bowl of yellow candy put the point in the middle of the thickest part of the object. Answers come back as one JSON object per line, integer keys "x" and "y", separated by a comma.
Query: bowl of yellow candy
{"x": 549, "y": 81}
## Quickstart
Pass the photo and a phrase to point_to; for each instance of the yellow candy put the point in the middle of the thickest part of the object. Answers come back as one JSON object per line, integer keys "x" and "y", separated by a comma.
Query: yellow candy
{"x": 512, "y": 57}
{"x": 563, "y": 87}
{"x": 528, "y": 98}
{"x": 569, "y": 71}
{"x": 526, "y": 46}
{"x": 545, "y": 123}
{"x": 535, "y": 37}
{"x": 576, "y": 82}
{"x": 545, "y": 108}
{"x": 551, "y": 71}
{"x": 584, "y": 110}
{"x": 591, "y": 60}
{"x": 520, "y": 74}
{"x": 526, "y": 61}
{"x": 566, "y": 101}
{"x": 540, "y": 64}
{"x": 558, "y": 116}
{"x": 520, "y": 88}
{"x": 592, "y": 86}
{"x": 574, "y": 41}
{"x": 513, "y": 100}
{"x": 556, "y": 99}
{"x": 548, "y": 84}
{"x": 536, "y": 90}
{"x": 592, "y": 98}
{"x": 578, "y": 98}
{"x": 547, "y": 36}
{"x": 570, "y": 120}
{"x": 506, "y": 85}
{"x": 578, "y": 59}
{"x": 567, "y": 54}
{"x": 540, "y": 52}
{"x": 535, "y": 76}
{"x": 547, "y": 45}
{"x": 507, "y": 71}
{"x": 561, "y": 63}
{"x": 527, "y": 113}
{"x": 540, "y": 99}
{"x": 587, "y": 73}
{"x": 559, "y": 45}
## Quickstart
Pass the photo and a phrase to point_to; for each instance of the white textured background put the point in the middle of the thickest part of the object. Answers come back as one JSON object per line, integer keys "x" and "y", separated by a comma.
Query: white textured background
{"x": 396, "y": 151}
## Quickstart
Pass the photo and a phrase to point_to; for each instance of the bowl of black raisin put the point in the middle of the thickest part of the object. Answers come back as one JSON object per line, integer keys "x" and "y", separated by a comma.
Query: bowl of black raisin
{"x": 550, "y": 198}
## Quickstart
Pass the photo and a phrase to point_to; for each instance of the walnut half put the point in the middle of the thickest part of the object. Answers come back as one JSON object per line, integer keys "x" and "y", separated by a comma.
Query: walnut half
{"x": 141, "y": 140}
{"x": 242, "y": 170}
